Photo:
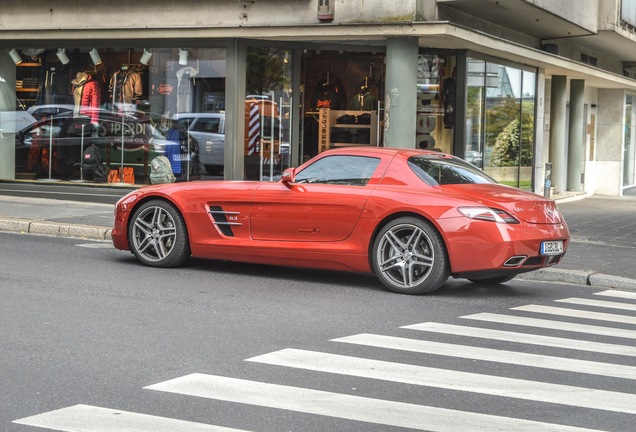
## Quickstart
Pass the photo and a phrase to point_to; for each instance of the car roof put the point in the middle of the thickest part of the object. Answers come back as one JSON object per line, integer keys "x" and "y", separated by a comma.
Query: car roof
{"x": 376, "y": 151}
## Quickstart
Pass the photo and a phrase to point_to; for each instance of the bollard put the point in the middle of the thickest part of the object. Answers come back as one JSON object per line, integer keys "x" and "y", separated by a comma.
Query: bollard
{"x": 548, "y": 181}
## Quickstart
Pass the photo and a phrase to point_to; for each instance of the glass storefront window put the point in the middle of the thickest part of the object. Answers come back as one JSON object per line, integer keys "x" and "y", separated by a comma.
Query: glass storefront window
{"x": 268, "y": 113}
{"x": 500, "y": 121}
{"x": 436, "y": 102}
{"x": 120, "y": 106}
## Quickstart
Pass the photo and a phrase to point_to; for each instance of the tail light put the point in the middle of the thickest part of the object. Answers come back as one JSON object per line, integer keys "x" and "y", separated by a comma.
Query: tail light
{"x": 488, "y": 214}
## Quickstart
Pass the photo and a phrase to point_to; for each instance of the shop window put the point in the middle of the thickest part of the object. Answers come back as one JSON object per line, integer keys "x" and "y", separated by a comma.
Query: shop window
{"x": 341, "y": 102}
{"x": 130, "y": 102}
{"x": 436, "y": 102}
{"x": 500, "y": 119}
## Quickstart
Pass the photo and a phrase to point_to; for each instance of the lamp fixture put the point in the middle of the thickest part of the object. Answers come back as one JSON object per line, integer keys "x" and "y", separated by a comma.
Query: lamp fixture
{"x": 61, "y": 54}
{"x": 145, "y": 57}
{"x": 183, "y": 56}
{"x": 15, "y": 56}
{"x": 95, "y": 57}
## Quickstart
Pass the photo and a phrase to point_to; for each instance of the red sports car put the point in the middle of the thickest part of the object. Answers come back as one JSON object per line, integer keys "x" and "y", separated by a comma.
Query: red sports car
{"x": 412, "y": 217}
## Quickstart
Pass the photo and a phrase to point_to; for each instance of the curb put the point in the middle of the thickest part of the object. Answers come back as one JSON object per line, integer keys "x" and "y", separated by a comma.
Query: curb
{"x": 26, "y": 226}
{"x": 580, "y": 277}
{"x": 577, "y": 277}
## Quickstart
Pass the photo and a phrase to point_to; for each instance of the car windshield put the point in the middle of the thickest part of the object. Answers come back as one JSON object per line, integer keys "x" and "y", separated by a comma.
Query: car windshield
{"x": 440, "y": 169}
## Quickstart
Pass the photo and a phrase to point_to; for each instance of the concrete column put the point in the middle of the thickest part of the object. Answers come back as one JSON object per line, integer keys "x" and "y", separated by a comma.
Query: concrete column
{"x": 7, "y": 119}
{"x": 558, "y": 105}
{"x": 236, "y": 60}
{"x": 400, "y": 100}
{"x": 576, "y": 144}
{"x": 610, "y": 137}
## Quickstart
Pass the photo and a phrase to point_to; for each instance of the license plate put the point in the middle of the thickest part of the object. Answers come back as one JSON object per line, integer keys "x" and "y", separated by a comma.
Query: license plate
{"x": 552, "y": 247}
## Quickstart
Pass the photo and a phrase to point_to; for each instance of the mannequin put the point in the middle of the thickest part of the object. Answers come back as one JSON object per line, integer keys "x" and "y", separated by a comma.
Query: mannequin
{"x": 86, "y": 96}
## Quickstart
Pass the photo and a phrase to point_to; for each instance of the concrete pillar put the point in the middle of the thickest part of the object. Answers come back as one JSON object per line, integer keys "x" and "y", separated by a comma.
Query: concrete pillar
{"x": 576, "y": 144}
{"x": 558, "y": 106}
{"x": 610, "y": 137}
{"x": 236, "y": 60}
{"x": 7, "y": 119}
{"x": 401, "y": 92}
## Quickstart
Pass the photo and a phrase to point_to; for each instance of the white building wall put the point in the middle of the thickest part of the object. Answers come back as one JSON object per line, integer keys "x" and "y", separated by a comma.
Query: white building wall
{"x": 149, "y": 14}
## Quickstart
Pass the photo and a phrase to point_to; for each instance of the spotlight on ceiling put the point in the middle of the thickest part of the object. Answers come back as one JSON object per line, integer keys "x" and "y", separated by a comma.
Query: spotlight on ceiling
{"x": 95, "y": 56}
{"x": 145, "y": 57}
{"x": 15, "y": 56}
{"x": 61, "y": 54}
{"x": 183, "y": 56}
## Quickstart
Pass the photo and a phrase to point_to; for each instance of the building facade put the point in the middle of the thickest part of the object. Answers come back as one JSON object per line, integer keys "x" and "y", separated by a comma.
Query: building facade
{"x": 537, "y": 93}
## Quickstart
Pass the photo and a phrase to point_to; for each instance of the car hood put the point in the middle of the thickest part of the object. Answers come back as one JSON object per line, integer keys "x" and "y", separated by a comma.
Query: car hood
{"x": 524, "y": 205}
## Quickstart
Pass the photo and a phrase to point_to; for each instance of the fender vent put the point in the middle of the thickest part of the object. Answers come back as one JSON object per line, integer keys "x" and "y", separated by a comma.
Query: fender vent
{"x": 220, "y": 220}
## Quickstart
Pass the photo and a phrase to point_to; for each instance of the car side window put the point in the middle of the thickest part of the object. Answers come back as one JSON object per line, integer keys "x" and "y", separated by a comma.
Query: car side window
{"x": 210, "y": 125}
{"x": 341, "y": 170}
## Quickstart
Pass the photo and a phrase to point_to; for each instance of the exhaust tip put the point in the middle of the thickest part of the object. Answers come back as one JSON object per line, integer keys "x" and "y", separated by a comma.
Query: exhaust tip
{"x": 515, "y": 261}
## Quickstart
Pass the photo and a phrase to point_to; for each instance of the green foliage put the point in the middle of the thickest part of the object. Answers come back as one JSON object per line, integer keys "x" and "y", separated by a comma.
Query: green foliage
{"x": 513, "y": 146}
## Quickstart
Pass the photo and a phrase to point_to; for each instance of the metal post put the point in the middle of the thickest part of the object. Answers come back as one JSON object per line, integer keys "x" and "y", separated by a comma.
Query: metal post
{"x": 548, "y": 180}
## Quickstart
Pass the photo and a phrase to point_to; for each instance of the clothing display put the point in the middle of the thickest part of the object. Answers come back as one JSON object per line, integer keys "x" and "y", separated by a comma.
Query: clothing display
{"x": 125, "y": 87}
{"x": 86, "y": 96}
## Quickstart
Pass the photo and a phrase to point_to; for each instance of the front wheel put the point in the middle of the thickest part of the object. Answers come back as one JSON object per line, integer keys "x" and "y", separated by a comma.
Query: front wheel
{"x": 158, "y": 236}
{"x": 409, "y": 256}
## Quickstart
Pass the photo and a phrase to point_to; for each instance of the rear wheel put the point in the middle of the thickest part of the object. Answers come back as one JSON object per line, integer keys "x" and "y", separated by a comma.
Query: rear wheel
{"x": 158, "y": 236}
{"x": 409, "y": 256}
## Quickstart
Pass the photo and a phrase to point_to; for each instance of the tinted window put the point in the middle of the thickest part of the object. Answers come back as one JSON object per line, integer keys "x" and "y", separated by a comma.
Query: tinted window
{"x": 210, "y": 125}
{"x": 440, "y": 170}
{"x": 346, "y": 170}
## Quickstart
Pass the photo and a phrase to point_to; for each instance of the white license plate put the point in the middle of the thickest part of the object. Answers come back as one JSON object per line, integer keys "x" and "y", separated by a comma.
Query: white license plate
{"x": 552, "y": 247}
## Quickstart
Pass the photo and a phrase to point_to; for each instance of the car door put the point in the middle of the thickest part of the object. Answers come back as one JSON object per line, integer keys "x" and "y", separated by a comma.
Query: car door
{"x": 323, "y": 204}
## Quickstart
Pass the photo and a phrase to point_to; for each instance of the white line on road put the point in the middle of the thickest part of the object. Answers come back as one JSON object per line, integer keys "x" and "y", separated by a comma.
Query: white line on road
{"x": 576, "y": 313}
{"x": 452, "y": 380}
{"x": 598, "y": 303}
{"x": 492, "y": 355}
{"x": 618, "y": 294}
{"x": 391, "y": 413}
{"x": 553, "y": 325}
{"x": 85, "y": 418}
{"x": 525, "y": 338}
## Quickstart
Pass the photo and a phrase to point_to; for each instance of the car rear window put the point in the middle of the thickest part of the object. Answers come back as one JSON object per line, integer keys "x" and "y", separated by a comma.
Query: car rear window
{"x": 443, "y": 169}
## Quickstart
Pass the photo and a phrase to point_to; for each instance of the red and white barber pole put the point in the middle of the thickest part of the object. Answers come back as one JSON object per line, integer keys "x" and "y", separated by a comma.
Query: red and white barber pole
{"x": 254, "y": 130}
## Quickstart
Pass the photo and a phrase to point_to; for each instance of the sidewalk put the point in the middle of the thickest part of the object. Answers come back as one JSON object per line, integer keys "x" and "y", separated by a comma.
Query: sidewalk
{"x": 602, "y": 250}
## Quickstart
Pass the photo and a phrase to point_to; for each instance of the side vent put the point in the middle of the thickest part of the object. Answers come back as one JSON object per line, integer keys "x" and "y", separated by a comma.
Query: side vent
{"x": 220, "y": 218}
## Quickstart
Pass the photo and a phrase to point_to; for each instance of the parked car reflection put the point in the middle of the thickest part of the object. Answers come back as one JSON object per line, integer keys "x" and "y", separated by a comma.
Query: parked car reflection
{"x": 55, "y": 144}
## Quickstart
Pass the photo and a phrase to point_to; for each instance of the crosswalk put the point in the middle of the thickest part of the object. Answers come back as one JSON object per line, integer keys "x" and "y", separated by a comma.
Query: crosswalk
{"x": 577, "y": 329}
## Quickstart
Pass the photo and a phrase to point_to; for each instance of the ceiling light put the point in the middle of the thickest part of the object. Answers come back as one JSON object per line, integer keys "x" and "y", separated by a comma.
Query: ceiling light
{"x": 183, "y": 56}
{"x": 61, "y": 54}
{"x": 95, "y": 56}
{"x": 145, "y": 57}
{"x": 15, "y": 56}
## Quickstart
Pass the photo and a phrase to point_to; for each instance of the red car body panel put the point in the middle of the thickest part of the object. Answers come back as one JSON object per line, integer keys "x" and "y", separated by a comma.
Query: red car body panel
{"x": 331, "y": 226}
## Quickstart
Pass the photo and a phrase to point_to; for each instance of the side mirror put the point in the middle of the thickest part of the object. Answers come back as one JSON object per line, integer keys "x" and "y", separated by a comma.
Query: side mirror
{"x": 288, "y": 176}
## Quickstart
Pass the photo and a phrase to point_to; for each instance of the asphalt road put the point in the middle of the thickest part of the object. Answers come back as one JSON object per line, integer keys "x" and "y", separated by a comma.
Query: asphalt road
{"x": 89, "y": 332}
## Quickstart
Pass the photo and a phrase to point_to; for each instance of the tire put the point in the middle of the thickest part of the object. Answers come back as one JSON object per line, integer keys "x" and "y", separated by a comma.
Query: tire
{"x": 157, "y": 235}
{"x": 409, "y": 256}
{"x": 494, "y": 280}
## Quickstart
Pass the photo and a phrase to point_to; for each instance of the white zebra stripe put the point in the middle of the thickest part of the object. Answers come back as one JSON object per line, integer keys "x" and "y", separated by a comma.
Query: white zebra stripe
{"x": 492, "y": 355}
{"x": 85, "y": 418}
{"x": 525, "y": 338}
{"x": 618, "y": 294}
{"x": 553, "y": 325}
{"x": 452, "y": 380}
{"x": 575, "y": 313}
{"x": 391, "y": 413}
{"x": 599, "y": 303}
